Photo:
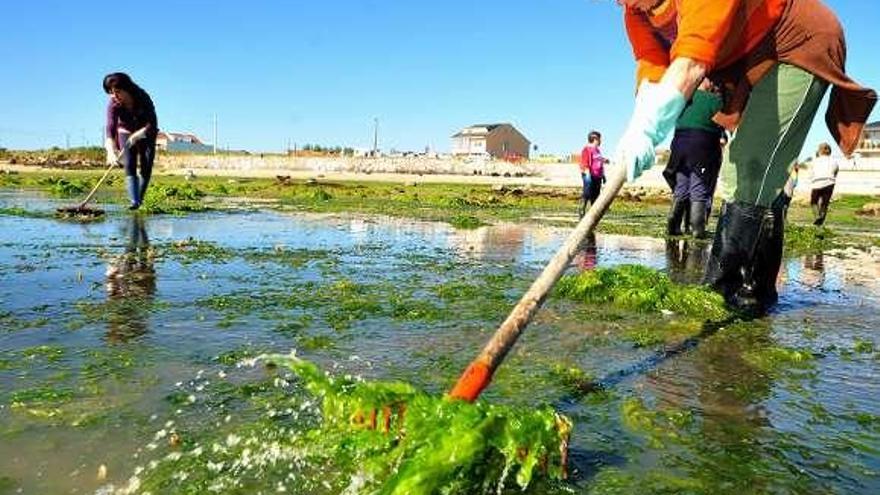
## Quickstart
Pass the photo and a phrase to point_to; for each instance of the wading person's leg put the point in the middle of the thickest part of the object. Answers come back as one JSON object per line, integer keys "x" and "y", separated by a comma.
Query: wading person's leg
{"x": 129, "y": 161}
{"x": 146, "y": 157}
{"x": 744, "y": 263}
{"x": 703, "y": 182}
{"x": 680, "y": 199}
{"x": 823, "y": 200}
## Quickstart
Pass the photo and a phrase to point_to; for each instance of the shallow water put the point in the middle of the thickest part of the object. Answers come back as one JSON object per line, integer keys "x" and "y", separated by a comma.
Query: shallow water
{"x": 110, "y": 330}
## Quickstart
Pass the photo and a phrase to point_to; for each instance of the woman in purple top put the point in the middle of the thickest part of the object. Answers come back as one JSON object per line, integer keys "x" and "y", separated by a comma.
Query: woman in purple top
{"x": 132, "y": 128}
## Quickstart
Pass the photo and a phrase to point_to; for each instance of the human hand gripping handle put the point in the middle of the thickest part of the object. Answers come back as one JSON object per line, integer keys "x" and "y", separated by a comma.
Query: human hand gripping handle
{"x": 658, "y": 106}
{"x": 112, "y": 154}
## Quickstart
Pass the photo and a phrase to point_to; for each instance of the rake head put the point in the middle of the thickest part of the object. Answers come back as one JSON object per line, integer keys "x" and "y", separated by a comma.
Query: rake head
{"x": 79, "y": 212}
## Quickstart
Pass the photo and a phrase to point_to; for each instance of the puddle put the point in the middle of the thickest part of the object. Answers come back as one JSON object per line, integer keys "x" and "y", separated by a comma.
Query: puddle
{"x": 110, "y": 330}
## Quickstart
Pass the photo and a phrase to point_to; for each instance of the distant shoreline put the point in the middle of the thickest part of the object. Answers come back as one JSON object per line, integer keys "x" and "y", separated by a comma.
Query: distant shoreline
{"x": 861, "y": 182}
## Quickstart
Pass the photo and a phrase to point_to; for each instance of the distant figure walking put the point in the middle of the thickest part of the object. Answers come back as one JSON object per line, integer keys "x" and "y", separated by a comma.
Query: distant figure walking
{"x": 131, "y": 129}
{"x": 592, "y": 167}
{"x": 824, "y": 169}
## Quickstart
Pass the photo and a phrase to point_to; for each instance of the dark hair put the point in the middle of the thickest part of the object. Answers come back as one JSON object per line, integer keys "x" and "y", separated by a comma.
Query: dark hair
{"x": 594, "y": 136}
{"x": 824, "y": 150}
{"x": 122, "y": 81}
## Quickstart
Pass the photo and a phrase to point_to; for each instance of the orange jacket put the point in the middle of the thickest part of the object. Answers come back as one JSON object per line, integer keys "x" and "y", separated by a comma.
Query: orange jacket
{"x": 714, "y": 32}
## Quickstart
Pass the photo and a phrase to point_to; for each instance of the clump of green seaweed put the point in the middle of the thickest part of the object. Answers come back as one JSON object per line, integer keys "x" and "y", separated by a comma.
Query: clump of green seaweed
{"x": 379, "y": 437}
{"x": 642, "y": 289}
{"x": 803, "y": 239}
{"x": 173, "y": 199}
{"x": 466, "y": 222}
{"x": 66, "y": 187}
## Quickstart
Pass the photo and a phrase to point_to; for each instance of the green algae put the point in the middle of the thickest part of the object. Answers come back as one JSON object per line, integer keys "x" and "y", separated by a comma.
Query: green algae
{"x": 118, "y": 310}
{"x": 659, "y": 427}
{"x": 192, "y": 250}
{"x": 173, "y": 199}
{"x": 66, "y": 187}
{"x": 11, "y": 323}
{"x": 316, "y": 342}
{"x": 806, "y": 239}
{"x": 47, "y": 353}
{"x": 466, "y": 222}
{"x": 642, "y": 289}
{"x": 39, "y": 395}
{"x": 21, "y": 212}
{"x": 7, "y": 484}
{"x": 446, "y": 442}
{"x": 863, "y": 346}
{"x": 574, "y": 380}
{"x": 613, "y": 481}
{"x": 433, "y": 445}
{"x": 338, "y": 303}
{"x": 773, "y": 359}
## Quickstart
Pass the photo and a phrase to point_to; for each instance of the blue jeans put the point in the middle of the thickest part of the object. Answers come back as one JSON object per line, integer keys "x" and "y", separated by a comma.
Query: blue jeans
{"x": 141, "y": 156}
{"x": 588, "y": 182}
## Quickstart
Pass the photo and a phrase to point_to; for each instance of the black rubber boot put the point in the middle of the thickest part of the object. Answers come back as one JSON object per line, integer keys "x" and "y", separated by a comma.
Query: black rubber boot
{"x": 698, "y": 219}
{"x": 758, "y": 293}
{"x": 676, "y": 213}
{"x": 686, "y": 220}
{"x": 736, "y": 238}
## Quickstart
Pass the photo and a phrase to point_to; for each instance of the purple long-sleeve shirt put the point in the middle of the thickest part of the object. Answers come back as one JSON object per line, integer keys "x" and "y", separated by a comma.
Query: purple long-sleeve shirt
{"x": 121, "y": 118}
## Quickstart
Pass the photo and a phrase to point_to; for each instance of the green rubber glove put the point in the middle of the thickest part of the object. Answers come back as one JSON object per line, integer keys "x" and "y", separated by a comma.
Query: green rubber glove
{"x": 658, "y": 106}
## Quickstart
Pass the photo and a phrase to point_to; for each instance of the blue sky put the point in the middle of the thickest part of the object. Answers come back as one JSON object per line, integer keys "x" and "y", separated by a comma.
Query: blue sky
{"x": 320, "y": 71}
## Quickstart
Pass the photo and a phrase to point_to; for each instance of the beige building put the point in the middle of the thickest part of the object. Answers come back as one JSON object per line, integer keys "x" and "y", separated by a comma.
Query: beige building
{"x": 495, "y": 140}
{"x": 869, "y": 147}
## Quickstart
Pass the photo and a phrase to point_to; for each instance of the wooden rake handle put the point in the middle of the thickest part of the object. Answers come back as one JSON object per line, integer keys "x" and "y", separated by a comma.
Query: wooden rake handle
{"x": 479, "y": 373}
{"x": 103, "y": 178}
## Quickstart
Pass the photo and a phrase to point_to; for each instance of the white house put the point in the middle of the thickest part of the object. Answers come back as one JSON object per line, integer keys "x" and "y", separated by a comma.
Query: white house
{"x": 181, "y": 141}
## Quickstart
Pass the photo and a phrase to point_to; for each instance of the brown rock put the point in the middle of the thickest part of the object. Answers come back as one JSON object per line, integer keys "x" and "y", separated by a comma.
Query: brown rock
{"x": 869, "y": 210}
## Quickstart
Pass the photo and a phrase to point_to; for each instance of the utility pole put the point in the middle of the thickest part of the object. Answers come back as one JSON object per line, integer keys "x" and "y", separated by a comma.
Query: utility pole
{"x": 375, "y": 136}
{"x": 67, "y": 140}
{"x": 215, "y": 133}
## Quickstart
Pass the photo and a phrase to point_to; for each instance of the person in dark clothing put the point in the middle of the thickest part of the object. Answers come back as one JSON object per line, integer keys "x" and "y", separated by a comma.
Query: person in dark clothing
{"x": 131, "y": 130}
{"x": 694, "y": 162}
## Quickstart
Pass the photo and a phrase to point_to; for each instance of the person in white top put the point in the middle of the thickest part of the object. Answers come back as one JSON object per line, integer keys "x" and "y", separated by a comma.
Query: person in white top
{"x": 824, "y": 169}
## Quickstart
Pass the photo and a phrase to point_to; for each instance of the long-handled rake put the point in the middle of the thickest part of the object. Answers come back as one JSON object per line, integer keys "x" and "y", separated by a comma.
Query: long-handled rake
{"x": 81, "y": 209}
{"x": 479, "y": 373}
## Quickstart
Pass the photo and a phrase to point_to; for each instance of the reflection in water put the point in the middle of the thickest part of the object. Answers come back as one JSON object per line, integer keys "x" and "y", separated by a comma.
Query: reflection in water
{"x": 686, "y": 260}
{"x": 131, "y": 284}
{"x": 503, "y": 242}
{"x": 726, "y": 445}
{"x": 813, "y": 274}
{"x": 588, "y": 256}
